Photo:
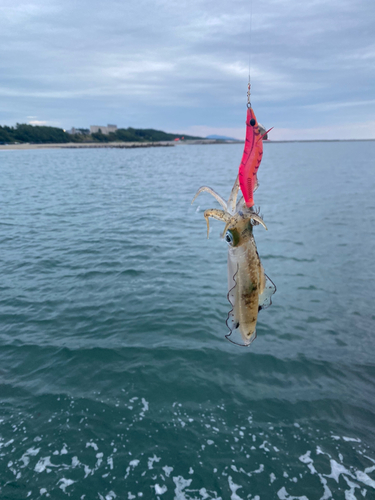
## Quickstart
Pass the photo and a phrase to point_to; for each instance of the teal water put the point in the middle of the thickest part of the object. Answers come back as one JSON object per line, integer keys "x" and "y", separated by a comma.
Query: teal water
{"x": 116, "y": 380}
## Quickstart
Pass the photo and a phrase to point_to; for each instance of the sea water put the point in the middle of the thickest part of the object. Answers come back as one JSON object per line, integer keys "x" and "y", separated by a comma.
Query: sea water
{"x": 116, "y": 380}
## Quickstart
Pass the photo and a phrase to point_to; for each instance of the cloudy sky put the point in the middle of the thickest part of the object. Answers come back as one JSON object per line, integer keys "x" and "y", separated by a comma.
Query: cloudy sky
{"x": 183, "y": 66}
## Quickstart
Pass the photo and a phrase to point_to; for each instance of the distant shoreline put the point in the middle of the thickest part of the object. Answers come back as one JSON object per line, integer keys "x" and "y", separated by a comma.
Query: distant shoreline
{"x": 318, "y": 140}
{"x": 119, "y": 145}
{"x": 132, "y": 145}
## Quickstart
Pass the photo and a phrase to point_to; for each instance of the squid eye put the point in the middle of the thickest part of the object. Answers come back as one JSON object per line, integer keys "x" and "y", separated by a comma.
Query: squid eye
{"x": 229, "y": 238}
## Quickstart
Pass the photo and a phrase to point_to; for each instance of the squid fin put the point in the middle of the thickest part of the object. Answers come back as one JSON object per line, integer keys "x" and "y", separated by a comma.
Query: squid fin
{"x": 265, "y": 297}
{"x": 234, "y": 336}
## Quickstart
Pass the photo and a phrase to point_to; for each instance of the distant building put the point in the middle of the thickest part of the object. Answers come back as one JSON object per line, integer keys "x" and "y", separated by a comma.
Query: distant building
{"x": 74, "y": 131}
{"x": 94, "y": 129}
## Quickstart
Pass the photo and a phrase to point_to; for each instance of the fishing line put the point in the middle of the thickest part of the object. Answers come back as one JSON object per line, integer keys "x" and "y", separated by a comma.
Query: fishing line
{"x": 250, "y": 52}
{"x": 250, "y": 30}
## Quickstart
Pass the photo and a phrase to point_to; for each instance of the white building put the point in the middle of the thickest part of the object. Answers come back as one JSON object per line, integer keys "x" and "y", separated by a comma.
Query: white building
{"x": 74, "y": 131}
{"x": 104, "y": 130}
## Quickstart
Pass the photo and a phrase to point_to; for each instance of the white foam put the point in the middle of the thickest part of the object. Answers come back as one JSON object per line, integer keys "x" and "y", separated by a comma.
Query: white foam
{"x": 181, "y": 484}
{"x": 160, "y": 490}
{"x": 43, "y": 465}
{"x": 350, "y": 494}
{"x": 99, "y": 460}
{"x": 284, "y": 495}
{"x": 203, "y": 493}
{"x": 167, "y": 470}
{"x": 133, "y": 464}
{"x": 65, "y": 483}
{"x": 25, "y": 457}
{"x": 365, "y": 479}
{"x": 272, "y": 477}
{"x": 306, "y": 459}
{"x": 145, "y": 408}
{"x": 356, "y": 440}
{"x": 234, "y": 487}
{"x": 337, "y": 469}
{"x": 263, "y": 446}
{"x": 93, "y": 445}
{"x": 151, "y": 461}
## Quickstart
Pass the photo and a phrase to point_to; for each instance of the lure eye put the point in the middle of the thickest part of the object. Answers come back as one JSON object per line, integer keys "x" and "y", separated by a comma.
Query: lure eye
{"x": 229, "y": 238}
{"x": 252, "y": 122}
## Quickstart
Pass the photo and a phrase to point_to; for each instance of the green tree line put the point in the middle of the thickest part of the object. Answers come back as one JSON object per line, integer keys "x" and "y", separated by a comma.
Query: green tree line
{"x": 37, "y": 134}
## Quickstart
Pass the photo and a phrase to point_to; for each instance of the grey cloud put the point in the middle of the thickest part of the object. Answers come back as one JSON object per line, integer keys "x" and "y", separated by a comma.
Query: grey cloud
{"x": 104, "y": 61}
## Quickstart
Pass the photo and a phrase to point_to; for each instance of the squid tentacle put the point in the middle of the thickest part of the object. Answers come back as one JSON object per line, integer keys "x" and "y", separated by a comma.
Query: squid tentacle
{"x": 232, "y": 221}
{"x": 214, "y": 194}
{"x": 257, "y": 218}
{"x": 233, "y": 196}
{"x": 241, "y": 202}
{"x": 217, "y": 214}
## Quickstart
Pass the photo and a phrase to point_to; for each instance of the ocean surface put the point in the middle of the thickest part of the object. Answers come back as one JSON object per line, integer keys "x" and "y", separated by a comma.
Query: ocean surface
{"x": 116, "y": 380}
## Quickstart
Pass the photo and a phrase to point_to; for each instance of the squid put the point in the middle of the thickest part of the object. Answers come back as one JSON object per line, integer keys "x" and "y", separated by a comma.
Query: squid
{"x": 249, "y": 288}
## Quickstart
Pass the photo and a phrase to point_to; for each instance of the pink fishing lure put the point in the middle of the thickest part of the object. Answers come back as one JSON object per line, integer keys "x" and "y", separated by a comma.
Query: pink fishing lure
{"x": 251, "y": 158}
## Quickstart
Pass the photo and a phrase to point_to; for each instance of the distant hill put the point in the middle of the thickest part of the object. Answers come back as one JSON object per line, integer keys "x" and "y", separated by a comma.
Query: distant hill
{"x": 35, "y": 134}
{"x": 221, "y": 138}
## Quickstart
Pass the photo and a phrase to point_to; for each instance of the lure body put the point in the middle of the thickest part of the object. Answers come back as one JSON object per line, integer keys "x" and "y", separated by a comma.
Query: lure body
{"x": 251, "y": 158}
{"x": 249, "y": 288}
